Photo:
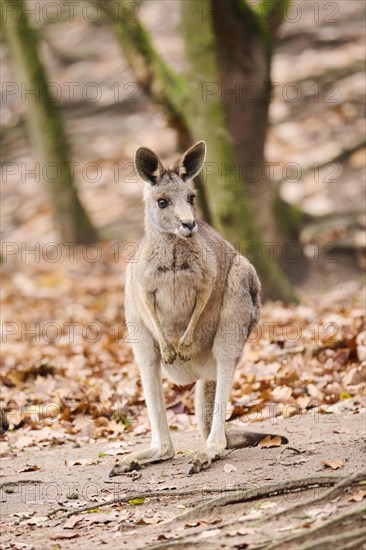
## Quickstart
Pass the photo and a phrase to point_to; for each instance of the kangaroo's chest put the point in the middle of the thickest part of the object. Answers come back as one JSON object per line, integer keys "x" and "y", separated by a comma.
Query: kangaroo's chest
{"x": 173, "y": 274}
{"x": 175, "y": 294}
{"x": 176, "y": 280}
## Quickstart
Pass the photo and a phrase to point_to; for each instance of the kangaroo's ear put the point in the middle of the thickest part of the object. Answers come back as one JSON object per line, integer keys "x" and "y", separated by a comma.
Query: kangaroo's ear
{"x": 192, "y": 161}
{"x": 148, "y": 165}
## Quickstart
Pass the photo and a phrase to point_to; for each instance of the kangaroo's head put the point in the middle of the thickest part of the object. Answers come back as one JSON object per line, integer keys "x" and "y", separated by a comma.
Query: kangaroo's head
{"x": 169, "y": 194}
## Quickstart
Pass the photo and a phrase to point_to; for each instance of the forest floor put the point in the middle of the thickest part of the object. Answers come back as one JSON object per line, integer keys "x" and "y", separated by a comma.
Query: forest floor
{"x": 69, "y": 382}
{"x": 44, "y": 493}
{"x": 75, "y": 405}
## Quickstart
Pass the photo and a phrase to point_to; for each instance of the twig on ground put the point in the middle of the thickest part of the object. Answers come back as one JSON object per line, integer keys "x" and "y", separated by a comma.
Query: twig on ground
{"x": 282, "y": 451}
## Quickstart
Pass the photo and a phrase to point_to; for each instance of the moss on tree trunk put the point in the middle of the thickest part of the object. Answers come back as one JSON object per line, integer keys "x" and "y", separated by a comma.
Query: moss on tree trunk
{"x": 45, "y": 127}
{"x": 160, "y": 82}
{"x": 228, "y": 201}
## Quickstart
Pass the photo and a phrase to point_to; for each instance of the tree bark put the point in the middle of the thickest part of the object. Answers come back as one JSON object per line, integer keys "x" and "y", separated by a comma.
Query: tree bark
{"x": 160, "y": 82}
{"x": 226, "y": 193}
{"x": 45, "y": 128}
{"x": 243, "y": 40}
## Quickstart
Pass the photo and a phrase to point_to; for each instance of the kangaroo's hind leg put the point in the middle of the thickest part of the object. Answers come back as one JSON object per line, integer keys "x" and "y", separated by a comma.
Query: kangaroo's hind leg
{"x": 148, "y": 359}
{"x": 238, "y": 316}
{"x": 204, "y": 405}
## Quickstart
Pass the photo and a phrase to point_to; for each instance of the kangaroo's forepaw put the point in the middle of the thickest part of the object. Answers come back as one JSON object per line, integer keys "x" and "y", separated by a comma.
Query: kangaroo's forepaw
{"x": 184, "y": 351}
{"x": 127, "y": 465}
{"x": 168, "y": 354}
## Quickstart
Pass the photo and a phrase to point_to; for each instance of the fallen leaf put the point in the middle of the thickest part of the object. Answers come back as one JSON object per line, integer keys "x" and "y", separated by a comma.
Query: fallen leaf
{"x": 334, "y": 464}
{"x": 36, "y": 520}
{"x": 149, "y": 521}
{"x": 71, "y": 522}
{"x": 102, "y": 518}
{"x": 82, "y": 462}
{"x": 236, "y": 532}
{"x": 64, "y": 535}
{"x": 269, "y": 441}
{"x": 165, "y": 536}
{"x": 30, "y": 468}
{"x": 136, "y": 501}
{"x": 357, "y": 497}
{"x": 228, "y": 468}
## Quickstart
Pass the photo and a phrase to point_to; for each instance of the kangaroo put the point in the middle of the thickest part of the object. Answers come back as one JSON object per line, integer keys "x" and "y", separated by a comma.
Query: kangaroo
{"x": 195, "y": 300}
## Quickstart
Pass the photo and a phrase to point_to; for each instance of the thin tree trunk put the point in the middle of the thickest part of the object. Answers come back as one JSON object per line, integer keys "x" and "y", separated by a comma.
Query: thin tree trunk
{"x": 228, "y": 202}
{"x": 159, "y": 81}
{"x": 45, "y": 127}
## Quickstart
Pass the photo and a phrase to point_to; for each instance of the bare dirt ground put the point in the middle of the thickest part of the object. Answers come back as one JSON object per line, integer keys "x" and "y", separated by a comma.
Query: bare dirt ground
{"x": 68, "y": 477}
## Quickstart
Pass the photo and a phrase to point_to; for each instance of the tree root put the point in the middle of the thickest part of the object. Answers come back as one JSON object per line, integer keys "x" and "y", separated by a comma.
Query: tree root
{"x": 152, "y": 494}
{"x": 256, "y": 493}
{"x": 348, "y": 540}
{"x": 294, "y": 540}
{"x": 342, "y": 484}
{"x": 344, "y": 541}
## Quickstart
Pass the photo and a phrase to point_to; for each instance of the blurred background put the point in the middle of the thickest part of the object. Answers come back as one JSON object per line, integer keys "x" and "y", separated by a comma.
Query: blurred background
{"x": 275, "y": 88}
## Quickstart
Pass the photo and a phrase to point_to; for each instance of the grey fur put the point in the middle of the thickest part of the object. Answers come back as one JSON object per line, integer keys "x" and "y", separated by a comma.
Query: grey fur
{"x": 195, "y": 300}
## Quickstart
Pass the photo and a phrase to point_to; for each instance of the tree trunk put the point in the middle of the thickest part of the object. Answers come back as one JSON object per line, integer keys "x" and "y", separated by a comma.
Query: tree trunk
{"x": 244, "y": 50}
{"x": 45, "y": 127}
{"x": 160, "y": 82}
{"x": 228, "y": 201}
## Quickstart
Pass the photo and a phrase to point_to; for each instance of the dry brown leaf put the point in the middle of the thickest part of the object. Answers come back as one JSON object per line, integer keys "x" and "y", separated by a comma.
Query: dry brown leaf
{"x": 149, "y": 521}
{"x": 269, "y": 442}
{"x": 71, "y": 522}
{"x": 65, "y": 535}
{"x": 30, "y": 468}
{"x": 165, "y": 536}
{"x": 334, "y": 464}
{"x": 357, "y": 497}
{"x": 82, "y": 462}
{"x": 100, "y": 517}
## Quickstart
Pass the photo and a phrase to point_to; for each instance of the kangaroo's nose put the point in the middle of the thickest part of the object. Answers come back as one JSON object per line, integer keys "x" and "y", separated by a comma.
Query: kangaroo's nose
{"x": 189, "y": 224}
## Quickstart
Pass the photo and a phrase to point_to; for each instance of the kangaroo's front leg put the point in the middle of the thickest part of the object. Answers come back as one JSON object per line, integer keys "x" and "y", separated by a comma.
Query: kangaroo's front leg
{"x": 185, "y": 343}
{"x": 161, "y": 447}
{"x": 168, "y": 353}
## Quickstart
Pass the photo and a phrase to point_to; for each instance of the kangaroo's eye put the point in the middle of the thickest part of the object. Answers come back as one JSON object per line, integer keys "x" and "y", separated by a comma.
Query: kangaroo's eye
{"x": 191, "y": 199}
{"x": 162, "y": 203}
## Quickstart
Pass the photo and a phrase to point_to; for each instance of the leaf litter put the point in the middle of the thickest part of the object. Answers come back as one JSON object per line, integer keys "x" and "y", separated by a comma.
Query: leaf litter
{"x": 82, "y": 385}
